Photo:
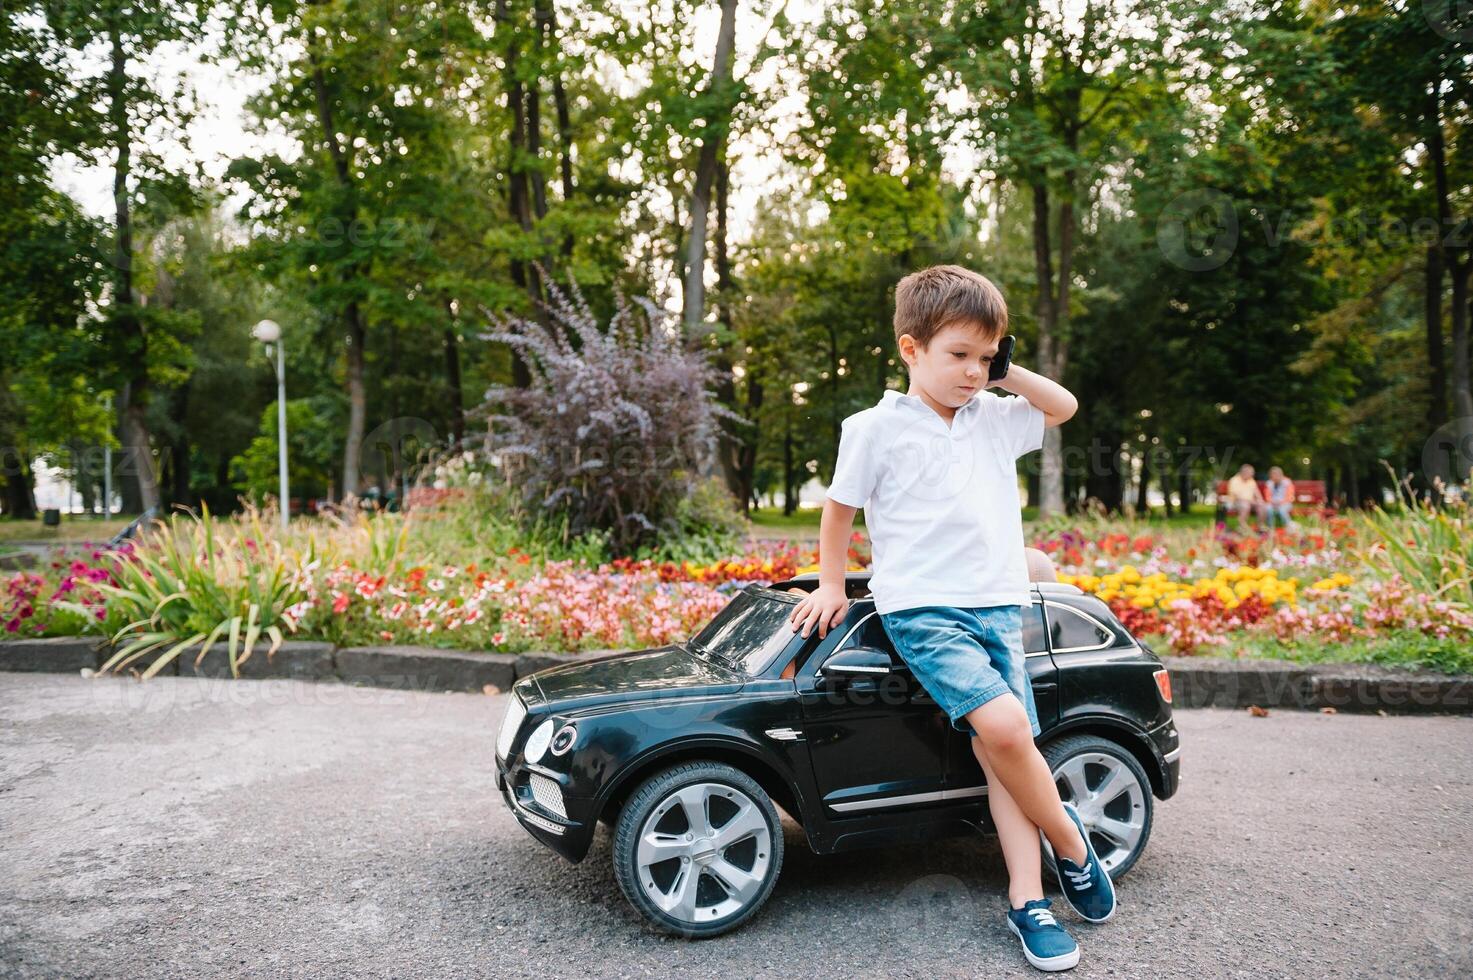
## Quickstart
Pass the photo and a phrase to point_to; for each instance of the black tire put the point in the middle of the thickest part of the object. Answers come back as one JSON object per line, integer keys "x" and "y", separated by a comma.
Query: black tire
{"x": 656, "y": 809}
{"x": 1132, "y": 806}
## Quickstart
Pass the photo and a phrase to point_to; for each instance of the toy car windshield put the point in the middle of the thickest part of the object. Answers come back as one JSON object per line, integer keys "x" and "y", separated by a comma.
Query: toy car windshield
{"x": 749, "y": 632}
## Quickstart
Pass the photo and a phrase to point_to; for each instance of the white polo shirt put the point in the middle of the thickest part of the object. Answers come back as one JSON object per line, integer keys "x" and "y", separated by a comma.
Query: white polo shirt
{"x": 940, "y": 501}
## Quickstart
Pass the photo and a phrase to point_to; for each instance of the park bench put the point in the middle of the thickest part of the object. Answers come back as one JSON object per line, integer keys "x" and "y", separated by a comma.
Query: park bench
{"x": 1309, "y": 496}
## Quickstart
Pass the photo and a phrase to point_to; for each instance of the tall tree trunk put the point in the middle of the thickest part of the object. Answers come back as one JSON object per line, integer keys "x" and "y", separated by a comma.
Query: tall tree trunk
{"x": 700, "y": 196}
{"x": 179, "y": 448}
{"x": 15, "y": 470}
{"x": 133, "y": 422}
{"x": 1142, "y": 500}
{"x": 748, "y": 453}
{"x": 1462, "y": 390}
{"x": 357, "y": 402}
{"x": 1436, "y": 358}
{"x": 356, "y": 335}
{"x": 727, "y": 450}
{"x": 452, "y": 378}
{"x": 20, "y": 499}
{"x": 564, "y": 120}
{"x": 1458, "y": 262}
{"x": 790, "y": 504}
{"x": 1051, "y": 471}
{"x": 533, "y": 97}
{"x": 525, "y": 276}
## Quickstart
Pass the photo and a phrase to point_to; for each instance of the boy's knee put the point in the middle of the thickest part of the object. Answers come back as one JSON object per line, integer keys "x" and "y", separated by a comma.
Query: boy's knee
{"x": 1009, "y": 740}
{"x": 1003, "y": 731}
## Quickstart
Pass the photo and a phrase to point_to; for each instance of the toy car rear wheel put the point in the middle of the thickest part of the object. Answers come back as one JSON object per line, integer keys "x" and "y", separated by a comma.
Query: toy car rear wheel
{"x": 697, "y": 849}
{"x": 1112, "y": 793}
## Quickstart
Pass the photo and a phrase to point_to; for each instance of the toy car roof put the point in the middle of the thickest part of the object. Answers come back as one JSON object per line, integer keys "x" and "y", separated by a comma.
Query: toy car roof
{"x": 856, "y": 585}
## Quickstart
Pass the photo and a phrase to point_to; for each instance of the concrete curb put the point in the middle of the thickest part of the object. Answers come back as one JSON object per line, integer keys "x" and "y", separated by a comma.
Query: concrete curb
{"x": 1196, "y": 682}
{"x": 396, "y": 667}
{"x": 305, "y": 661}
{"x": 62, "y": 654}
{"x": 424, "y": 669}
{"x": 1199, "y": 682}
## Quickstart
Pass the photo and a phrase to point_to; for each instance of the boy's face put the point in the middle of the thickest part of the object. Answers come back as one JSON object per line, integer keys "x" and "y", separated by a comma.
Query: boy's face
{"x": 955, "y": 365}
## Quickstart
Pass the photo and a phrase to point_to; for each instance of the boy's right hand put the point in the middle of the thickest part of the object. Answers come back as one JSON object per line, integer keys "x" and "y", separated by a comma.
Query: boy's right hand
{"x": 825, "y": 606}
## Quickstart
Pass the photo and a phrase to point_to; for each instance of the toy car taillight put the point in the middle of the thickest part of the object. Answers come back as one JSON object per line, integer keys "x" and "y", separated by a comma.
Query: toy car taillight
{"x": 1163, "y": 684}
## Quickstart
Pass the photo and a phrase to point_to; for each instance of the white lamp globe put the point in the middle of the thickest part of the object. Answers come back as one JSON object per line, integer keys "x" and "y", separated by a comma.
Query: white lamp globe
{"x": 267, "y": 331}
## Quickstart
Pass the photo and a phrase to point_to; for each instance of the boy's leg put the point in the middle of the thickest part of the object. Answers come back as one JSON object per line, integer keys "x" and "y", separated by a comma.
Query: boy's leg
{"x": 1016, "y": 833}
{"x": 1007, "y": 738}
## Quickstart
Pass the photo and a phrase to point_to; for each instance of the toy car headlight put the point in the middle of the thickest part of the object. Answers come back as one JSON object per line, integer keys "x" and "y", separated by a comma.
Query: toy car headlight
{"x": 564, "y": 739}
{"x": 538, "y": 741}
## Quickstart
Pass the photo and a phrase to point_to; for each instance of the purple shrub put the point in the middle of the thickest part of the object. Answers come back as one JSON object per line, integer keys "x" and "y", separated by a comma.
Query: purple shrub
{"x": 608, "y": 434}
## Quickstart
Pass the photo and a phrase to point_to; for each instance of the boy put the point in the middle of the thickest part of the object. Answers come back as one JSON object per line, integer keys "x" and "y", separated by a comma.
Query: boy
{"x": 935, "y": 470}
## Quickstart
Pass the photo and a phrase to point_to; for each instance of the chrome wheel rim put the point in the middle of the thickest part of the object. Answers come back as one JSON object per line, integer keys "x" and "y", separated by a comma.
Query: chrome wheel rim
{"x": 1111, "y": 802}
{"x": 704, "y": 853}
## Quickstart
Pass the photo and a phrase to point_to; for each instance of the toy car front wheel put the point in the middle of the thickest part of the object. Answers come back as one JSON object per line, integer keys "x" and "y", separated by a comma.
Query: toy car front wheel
{"x": 1112, "y": 793}
{"x": 698, "y": 848}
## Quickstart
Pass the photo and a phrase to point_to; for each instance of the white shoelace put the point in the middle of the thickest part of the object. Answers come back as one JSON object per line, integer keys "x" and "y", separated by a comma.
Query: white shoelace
{"x": 1080, "y": 878}
{"x": 1042, "y": 917}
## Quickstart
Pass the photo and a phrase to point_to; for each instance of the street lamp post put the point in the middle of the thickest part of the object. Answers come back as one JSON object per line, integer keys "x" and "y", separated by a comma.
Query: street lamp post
{"x": 268, "y": 332}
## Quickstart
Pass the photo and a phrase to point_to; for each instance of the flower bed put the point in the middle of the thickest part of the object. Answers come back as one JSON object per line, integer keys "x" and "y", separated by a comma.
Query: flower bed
{"x": 1277, "y": 592}
{"x": 60, "y": 598}
{"x": 375, "y": 580}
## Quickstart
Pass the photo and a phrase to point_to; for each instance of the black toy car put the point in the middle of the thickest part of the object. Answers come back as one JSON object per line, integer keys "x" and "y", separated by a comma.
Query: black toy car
{"x": 687, "y": 751}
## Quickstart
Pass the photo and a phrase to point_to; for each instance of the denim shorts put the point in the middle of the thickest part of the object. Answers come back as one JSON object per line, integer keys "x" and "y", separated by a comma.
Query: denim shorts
{"x": 964, "y": 657}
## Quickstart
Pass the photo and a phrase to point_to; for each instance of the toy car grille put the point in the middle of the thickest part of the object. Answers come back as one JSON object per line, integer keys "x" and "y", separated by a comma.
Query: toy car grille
{"x": 515, "y": 712}
{"x": 541, "y": 822}
{"x": 548, "y": 795}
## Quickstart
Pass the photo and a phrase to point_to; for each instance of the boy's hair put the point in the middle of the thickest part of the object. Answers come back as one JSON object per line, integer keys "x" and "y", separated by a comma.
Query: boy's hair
{"x": 934, "y": 298}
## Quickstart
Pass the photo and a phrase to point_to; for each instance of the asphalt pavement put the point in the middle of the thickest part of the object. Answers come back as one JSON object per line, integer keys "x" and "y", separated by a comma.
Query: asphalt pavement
{"x": 197, "y": 828}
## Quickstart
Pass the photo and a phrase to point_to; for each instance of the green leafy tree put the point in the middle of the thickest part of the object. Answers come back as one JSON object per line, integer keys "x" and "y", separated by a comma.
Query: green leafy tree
{"x": 312, "y": 435}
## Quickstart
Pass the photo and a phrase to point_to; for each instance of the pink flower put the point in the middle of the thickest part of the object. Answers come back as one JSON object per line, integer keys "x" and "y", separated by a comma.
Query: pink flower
{"x": 340, "y": 602}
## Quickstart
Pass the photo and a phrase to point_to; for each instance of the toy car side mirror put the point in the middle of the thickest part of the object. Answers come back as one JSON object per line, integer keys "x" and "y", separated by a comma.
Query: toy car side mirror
{"x": 856, "y": 662}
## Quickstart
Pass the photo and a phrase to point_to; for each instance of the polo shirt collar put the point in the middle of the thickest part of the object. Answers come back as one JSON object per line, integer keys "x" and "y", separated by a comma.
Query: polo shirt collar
{"x": 899, "y": 399}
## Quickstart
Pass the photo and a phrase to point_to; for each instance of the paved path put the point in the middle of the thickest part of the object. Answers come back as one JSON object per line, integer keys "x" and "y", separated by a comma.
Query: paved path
{"x": 192, "y": 828}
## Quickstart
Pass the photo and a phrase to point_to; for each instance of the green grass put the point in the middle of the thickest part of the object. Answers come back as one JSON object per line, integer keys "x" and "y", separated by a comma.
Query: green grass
{"x": 1412, "y": 651}
{"x": 772, "y": 522}
{"x": 72, "y": 528}
{"x": 1201, "y": 516}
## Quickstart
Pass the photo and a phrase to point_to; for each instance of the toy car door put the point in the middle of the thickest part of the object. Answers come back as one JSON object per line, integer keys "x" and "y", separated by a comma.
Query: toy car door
{"x": 876, "y": 739}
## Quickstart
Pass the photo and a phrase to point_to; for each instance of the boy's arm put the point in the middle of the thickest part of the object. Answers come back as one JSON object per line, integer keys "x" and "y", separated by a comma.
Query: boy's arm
{"x": 1049, "y": 397}
{"x": 834, "y": 529}
{"x": 825, "y": 607}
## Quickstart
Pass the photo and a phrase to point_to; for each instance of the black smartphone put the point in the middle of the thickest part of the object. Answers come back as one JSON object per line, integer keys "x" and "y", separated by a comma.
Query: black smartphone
{"x": 1003, "y": 359}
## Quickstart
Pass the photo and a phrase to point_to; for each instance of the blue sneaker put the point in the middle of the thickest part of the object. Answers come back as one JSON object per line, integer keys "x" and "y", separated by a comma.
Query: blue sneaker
{"x": 1087, "y": 887}
{"x": 1045, "y": 942}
